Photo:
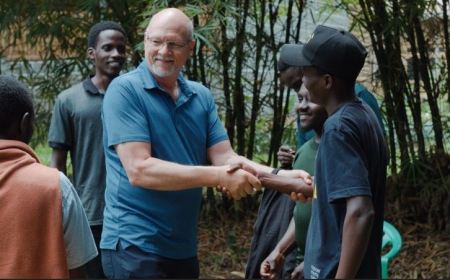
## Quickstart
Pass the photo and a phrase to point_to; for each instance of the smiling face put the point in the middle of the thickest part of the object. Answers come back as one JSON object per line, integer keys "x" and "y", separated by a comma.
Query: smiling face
{"x": 312, "y": 115}
{"x": 168, "y": 43}
{"x": 109, "y": 53}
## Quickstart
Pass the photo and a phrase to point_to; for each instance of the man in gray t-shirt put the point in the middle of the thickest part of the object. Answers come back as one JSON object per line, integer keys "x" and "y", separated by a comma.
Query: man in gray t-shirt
{"x": 76, "y": 126}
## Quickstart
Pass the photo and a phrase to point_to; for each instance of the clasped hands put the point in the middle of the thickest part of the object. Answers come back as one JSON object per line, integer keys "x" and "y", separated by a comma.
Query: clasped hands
{"x": 239, "y": 179}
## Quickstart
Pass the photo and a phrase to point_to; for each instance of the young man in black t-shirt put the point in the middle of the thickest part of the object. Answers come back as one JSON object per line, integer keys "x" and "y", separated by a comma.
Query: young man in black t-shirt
{"x": 345, "y": 233}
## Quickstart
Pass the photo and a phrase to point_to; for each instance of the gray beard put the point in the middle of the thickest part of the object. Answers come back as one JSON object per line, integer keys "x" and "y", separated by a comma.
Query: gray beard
{"x": 162, "y": 74}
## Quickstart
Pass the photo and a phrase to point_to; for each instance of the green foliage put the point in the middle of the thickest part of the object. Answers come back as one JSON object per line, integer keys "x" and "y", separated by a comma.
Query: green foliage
{"x": 44, "y": 154}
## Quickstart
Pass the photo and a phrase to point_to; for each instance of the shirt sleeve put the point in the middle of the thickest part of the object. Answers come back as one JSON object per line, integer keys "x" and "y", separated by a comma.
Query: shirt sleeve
{"x": 123, "y": 115}
{"x": 343, "y": 167}
{"x": 60, "y": 135}
{"x": 78, "y": 239}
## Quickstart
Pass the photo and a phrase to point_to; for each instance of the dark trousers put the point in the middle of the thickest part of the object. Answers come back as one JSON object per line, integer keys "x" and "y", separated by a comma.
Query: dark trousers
{"x": 94, "y": 267}
{"x": 132, "y": 262}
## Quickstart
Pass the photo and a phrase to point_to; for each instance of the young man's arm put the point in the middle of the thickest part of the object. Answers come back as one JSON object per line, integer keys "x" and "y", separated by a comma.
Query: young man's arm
{"x": 355, "y": 236}
{"x": 60, "y": 134}
{"x": 286, "y": 185}
{"x": 273, "y": 263}
{"x": 59, "y": 159}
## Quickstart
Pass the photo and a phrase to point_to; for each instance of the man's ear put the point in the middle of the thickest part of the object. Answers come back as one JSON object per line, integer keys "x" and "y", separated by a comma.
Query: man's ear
{"x": 328, "y": 81}
{"x": 91, "y": 53}
{"x": 26, "y": 127}
{"x": 191, "y": 47}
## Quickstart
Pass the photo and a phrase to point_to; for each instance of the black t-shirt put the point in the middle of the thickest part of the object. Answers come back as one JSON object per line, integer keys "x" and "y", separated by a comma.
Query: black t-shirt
{"x": 351, "y": 161}
{"x": 274, "y": 216}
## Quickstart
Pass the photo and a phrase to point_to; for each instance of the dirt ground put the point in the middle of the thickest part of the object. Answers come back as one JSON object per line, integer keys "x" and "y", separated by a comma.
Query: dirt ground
{"x": 224, "y": 244}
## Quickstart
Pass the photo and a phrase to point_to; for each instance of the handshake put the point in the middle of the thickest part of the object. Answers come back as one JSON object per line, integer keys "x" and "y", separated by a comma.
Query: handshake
{"x": 243, "y": 177}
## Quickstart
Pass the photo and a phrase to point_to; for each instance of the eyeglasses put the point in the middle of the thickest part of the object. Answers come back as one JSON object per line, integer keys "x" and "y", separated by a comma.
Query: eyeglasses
{"x": 169, "y": 44}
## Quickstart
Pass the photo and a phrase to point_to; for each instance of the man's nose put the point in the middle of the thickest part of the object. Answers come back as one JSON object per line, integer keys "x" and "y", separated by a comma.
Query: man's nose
{"x": 164, "y": 48}
{"x": 302, "y": 106}
{"x": 115, "y": 52}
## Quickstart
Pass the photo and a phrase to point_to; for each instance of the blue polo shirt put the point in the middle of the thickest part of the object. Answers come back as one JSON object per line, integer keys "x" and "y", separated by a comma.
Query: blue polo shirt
{"x": 136, "y": 109}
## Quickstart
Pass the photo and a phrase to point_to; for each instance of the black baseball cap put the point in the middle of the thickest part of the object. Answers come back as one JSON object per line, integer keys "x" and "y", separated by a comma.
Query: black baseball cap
{"x": 289, "y": 56}
{"x": 337, "y": 52}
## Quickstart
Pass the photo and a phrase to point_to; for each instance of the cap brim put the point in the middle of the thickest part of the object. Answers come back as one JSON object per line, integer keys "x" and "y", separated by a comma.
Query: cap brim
{"x": 292, "y": 55}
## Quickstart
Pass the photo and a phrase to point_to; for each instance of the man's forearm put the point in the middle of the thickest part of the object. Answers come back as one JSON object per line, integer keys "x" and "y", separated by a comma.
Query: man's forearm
{"x": 157, "y": 174}
{"x": 285, "y": 184}
{"x": 287, "y": 242}
{"x": 356, "y": 233}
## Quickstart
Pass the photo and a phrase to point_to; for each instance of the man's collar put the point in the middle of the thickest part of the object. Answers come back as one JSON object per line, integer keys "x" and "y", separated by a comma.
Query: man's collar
{"x": 89, "y": 86}
{"x": 149, "y": 80}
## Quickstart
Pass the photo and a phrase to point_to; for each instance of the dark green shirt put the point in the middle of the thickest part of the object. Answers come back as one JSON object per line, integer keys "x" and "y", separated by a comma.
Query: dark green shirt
{"x": 305, "y": 160}
{"x": 76, "y": 126}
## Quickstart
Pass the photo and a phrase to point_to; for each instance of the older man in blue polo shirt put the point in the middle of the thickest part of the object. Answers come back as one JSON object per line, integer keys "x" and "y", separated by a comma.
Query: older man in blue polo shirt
{"x": 160, "y": 133}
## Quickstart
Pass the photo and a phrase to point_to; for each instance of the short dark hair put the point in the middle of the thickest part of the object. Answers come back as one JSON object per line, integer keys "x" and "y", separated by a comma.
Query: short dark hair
{"x": 15, "y": 101}
{"x": 102, "y": 26}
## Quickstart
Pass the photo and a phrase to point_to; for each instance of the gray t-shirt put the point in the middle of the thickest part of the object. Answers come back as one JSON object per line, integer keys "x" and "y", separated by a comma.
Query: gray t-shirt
{"x": 76, "y": 126}
{"x": 78, "y": 239}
